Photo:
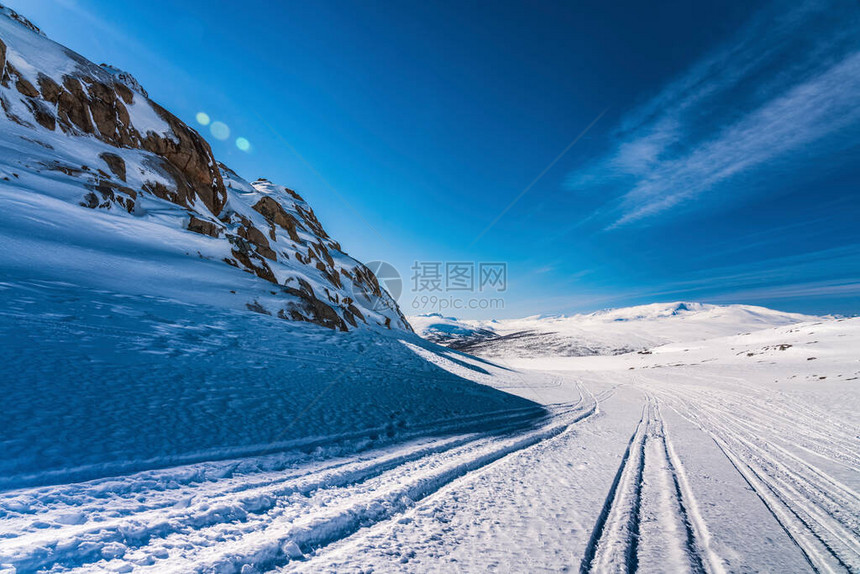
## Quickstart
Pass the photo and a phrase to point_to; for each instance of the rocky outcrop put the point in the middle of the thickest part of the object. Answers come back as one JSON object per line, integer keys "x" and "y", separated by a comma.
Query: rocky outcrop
{"x": 115, "y": 163}
{"x": 97, "y": 101}
{"x": 13, "y": 15}
{"x": 125, "y": 78}
{"x": 191, "y": 160}
{"x": 128, "y": 155}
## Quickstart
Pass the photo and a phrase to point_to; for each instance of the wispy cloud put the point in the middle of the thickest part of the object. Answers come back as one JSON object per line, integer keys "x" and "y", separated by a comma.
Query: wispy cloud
{"x": 820, "y": 273}
{"x": 790, "y": 79}
{"x": 835, "y": 264}
{"x": 806, "y": 291}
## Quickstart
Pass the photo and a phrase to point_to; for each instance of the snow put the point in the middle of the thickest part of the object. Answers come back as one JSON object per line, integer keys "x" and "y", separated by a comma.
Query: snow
{"x": 438, "y": 328}
{"x": 152, "y": 421}
{"x": 102, "y": 382}
{"x": 31, "y": 53}
{"x": 612, "y": 331}
{"x": 729, "y": 454}
{"x": 126, "y": 78}
{"x": 145, "y": 119}
{"x": 695, "y": 460}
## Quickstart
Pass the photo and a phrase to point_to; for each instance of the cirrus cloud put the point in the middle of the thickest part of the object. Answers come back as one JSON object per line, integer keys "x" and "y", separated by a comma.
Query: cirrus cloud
{"x": 788, "y": 81}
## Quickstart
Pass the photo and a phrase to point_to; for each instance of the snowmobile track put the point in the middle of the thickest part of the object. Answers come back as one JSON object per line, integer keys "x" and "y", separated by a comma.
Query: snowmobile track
{"x": 617, "y": 542}
{"x": 262, "y": 518}
{"x": 817, "y": 512}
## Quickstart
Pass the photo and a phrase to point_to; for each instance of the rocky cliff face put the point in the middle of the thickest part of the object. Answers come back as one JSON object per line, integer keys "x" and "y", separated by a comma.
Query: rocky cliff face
{"x": 92, "y": 136}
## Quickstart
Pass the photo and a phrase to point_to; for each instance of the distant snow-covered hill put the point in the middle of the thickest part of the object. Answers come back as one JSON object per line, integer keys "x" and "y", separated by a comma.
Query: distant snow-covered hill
{"x": 102, "y": 187}
{"x": 449, "y": 331}
{"x": 607, "y": 332}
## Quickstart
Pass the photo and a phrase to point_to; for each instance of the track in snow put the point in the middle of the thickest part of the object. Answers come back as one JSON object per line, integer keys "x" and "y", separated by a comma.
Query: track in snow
{"x": 263, "y": 518}
{"x": 649, "y": 520}
{"x": 818, "y": 512}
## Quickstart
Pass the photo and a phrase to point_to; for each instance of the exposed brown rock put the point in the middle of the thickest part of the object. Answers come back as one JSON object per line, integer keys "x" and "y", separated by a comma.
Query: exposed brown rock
{"x": 72, "y": 109}
{"x": 313, "y": 310}
{"x": 124, "y": 92}
{"x": 349, "y": 318}
{"x": 25, "y": 87}
{"x": 42, "y": 114}
{"x": 276, "y": 214}
{"x": 255, "y": 264}
{"x": 183, "y": 193}
{"x": 365, "y": 276}
{"x": 100, "y": 109}
{"x": 161, "y": 191}
{"x": 107, "y": 195}
{"x": 326, "y": 316}
{"x": 255, "y": 236}
{"x": 203, "y": 227}
{"x": 109, "y": 114}
{"x": 256, "y": 307}
{"x": 324, "y": 254}
{"x": 192, "y": 156}
{"x": 23, "y": 21}
{"x": 354, "y": 310}
{"x": 49, "y": 88}
{"x": 115, "y": 163}
{"x": 64, "y": 168}
{"x": 90, "y": 200}
{"x": 311, "y": 219}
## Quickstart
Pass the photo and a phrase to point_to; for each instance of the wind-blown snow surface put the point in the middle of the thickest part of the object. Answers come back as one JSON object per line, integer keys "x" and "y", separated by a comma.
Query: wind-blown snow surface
{"x": 609, "y": 332}
{"x": 99, "y": 382}
{"x": 731, "y": 454}
{"x": 736, "y": 454}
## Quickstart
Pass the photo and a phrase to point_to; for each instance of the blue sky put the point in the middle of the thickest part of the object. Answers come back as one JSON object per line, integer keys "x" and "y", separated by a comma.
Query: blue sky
{"x": 722, "y": 165}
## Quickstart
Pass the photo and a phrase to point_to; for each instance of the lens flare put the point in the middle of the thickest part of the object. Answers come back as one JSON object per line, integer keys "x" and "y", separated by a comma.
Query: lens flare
{"x": 219, "y": 130}
{"x": 203, "y": 118}
{"x": 243, "y": 144}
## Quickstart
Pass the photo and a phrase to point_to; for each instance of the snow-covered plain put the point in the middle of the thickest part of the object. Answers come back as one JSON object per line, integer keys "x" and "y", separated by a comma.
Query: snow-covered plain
{"x": 735, "y": 454}
{"x": 729, "y": 454}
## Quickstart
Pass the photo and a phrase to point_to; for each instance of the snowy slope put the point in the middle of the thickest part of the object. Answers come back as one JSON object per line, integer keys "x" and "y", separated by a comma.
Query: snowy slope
{"x": 608, "y": 332}
{"x": 736, "y": 454}
{"x": 98, "y": 185}
{"x": 99, "y": 382}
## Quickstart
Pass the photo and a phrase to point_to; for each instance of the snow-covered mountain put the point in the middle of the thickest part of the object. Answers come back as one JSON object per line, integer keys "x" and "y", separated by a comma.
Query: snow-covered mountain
{"x": 607, "y": 332}
{"x": 158, "y": 309}
{"x": 102, "y": 187}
